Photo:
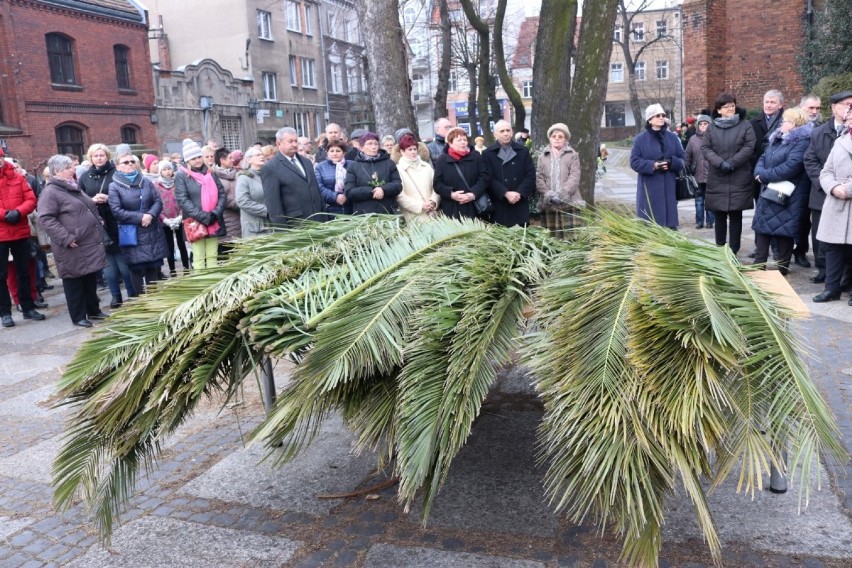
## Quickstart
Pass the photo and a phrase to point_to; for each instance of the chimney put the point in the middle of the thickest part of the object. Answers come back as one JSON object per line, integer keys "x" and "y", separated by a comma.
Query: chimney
{"x": 163, "y": 47}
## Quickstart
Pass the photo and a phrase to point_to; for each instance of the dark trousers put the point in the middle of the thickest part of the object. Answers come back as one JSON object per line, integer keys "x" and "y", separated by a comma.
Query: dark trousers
{"x": 140, "y": 276}
{"x": 784, "y": 252}
{"x": 721, "y": 227}
{"x": 836, "y": 259}
{"x": 804, "y": 233}
{"x": 181, "y": 245}
{"x": 819, "y": 252}
{"x": 81, "y": 293}
{"x": 20, "y": 250}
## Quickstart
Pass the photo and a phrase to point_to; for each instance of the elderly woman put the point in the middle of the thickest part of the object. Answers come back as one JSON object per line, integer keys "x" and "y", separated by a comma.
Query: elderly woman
{"x": 461, "y": 176}
{"x": 171, "y": 217}
{"x": 728, "y": 146}
{"x": 136, "y": 205}
{"x": 388, "y": 142}
{"x": 372, "y": 180}
{"x": 557, "y": 180}
{"x": 202, "y": 199}
{"x": 657, "y": 157}
{"x": 418, "y": 199}
{"x": 331, "y": 177}
{"x": 249, "y": 193}
{"x": 76, "y": 231}
{"x": 696, "y": 164}
{"x": 783, "y": 160}
{"x": 226, "y": 171}
{"x": 835, "y": 226}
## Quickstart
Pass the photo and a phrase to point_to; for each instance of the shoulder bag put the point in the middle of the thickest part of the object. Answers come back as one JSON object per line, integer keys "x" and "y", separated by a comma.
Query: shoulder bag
{"x": 483, "y": 203}
{"x": 194, "y": 230}
{"x": 127, "y": 234}
{"x": 685, "y": 186}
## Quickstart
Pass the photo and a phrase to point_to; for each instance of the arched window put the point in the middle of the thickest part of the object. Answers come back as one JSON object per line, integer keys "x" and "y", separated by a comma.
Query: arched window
{"x": 69, "y": 140}
{"x": 130, "y": 134}
{"x": 122, "y": 66}
{"x": 60, "y": 56}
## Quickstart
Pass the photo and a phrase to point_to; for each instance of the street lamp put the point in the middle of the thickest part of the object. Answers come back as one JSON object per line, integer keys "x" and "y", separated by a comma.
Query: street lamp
{"x": 253, "y": 106}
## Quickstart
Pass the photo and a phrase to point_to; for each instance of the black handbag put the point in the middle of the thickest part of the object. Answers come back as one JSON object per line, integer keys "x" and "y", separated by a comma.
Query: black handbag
{"x": 483, "y": 203}
{"x": 685, "y": 187}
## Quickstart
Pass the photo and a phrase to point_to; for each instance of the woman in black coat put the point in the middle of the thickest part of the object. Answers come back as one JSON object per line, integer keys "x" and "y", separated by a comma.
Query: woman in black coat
{"x": 728, "y": 146}
{"x": 372, "y": 180}
{"x": 461, "y": 176}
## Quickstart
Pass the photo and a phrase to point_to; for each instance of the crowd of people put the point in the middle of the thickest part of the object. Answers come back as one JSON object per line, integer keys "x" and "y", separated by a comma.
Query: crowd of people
{"x": 788, "y": 165}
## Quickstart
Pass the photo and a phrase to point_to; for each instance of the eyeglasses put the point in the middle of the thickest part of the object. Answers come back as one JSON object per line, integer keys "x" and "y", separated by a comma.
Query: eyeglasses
{"x": 126, "y": 162}
{"x": 729, "y": 105}
{"x": 661, "y": 115}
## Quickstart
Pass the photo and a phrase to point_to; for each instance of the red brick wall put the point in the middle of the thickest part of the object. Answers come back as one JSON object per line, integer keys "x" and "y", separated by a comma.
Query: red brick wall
{"x": 744, "y": 47}
{"x": 99, "y": 108}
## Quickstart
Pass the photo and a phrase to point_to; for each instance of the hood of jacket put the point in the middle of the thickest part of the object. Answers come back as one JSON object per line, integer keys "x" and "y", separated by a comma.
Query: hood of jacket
{"x": 794, "y": 135}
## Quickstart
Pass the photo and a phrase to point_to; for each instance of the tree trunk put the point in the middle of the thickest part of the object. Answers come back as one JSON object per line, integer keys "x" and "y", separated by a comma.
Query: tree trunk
{"x": 472, "y": 112}
{"x": 633, "y": 95}
{"x": 493, "y": 103}
{"x": 589, "y": 87}
{"x": 505, "y": 79}
{"x": 440, "y": 110}
{"x": 551, "y": 86}
{"x": 388, "y": 80}
{"x": 484, "y": 64}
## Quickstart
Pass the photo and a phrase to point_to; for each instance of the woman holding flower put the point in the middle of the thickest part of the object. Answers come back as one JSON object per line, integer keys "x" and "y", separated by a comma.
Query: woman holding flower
{"x": 372, "y": 180}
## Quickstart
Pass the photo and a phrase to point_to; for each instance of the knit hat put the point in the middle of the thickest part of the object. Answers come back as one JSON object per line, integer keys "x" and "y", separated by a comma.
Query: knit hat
{"x": 562, "y": 128}
{"x": 368, "y": 136}
{"x": 702, "y": 118}
{"x": 236, "y": 158}
{"x": 358, "y": 133}
{"x": 149, "y": 159}
{"x": 406, "y": 141}
{"x": 400, "y": 133}
{"x": 653, "y": 110}
{"x": 690, "y": 120}
{"x": 121, "y": 150}
{"x": 165, "y": 165}
{"x": 191, "y": 150}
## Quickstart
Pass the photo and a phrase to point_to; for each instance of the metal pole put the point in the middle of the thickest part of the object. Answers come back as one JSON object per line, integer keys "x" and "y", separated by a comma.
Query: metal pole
{"x": 778, "y": 480}
{"x": 267, "y": 384}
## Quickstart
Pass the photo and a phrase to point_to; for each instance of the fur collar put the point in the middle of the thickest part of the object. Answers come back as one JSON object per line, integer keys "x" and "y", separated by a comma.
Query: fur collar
{"x": 794, "y": 135}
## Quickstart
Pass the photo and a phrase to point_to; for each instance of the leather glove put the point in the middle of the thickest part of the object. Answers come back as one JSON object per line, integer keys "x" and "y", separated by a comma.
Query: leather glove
{"x": 12, "y": 216}
{"x": 727, "y": 167}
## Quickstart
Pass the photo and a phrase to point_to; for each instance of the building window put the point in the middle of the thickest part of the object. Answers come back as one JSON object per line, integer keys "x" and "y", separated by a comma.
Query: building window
{"x": 122, "y": 65}
{"x": 639, "y": 71}
{"x": 232, "y": 133}
{"x": 60, "y": 57}
{"x": 302, "y": 123}
{"x": 336, "y": 78}
{"x": 69, "y": 140}
{"x": 270, "y": 90}
{"x": 526, "y": 86}
{"x": 264, "y": 25}
{"x": 638, "y": 31}
{"x": 662, "y": 69}
{"x": 294, "y": 20}
{"x": 130, "y": 134}
{"x": 453, "y": 85}
{"x": 332, "y": 24}
{"x": 309, "y": 24}
{"x": 352, "y": 79}
{"x": 614, "y": 113}
{"x": 294, "y": 76}
{"x": 616, "y": 72}
{"x": 662, "y": 29}
{"x": 308, "y": 73}
{"x": 418, "y": 86}
{"x": 351, "y": 32}
{"x": 409, "y": 15}
{"x": 616, "y": 35}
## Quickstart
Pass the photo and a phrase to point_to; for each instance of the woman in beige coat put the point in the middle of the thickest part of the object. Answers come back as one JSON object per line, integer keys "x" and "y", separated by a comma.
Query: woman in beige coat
{"x": 418, "y": 199}
{"x": 557, "y": 180}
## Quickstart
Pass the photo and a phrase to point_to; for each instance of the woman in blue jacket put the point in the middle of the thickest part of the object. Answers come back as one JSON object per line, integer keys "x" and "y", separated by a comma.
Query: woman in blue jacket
{"x": 331, "y": 177}
{"x": 783, "y": 160}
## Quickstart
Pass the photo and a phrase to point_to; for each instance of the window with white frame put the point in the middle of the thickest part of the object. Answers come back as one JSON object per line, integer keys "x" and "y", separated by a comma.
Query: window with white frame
{"x": 336, "y": 78}
{"x": 639, "y": 71}
{"x": 332, "y": 24}
{"x": 662, "y": 69}
{"x": 294, "y": 20}
{"x": 294, "y": 75}
{"x": 526, "y": 86}
{"x": 453, "y": 84}
{"x": 350, "y": 33}
{"x": 638, "y": 31}
{"x": 617, "y": 34}
{"x": 309, "y": 22}
{"x": 264, "y": 25}
{"x": 418, "y": 86}
{"x": 270, "y": 89}
{"x": 616, "y": 72}
{"x": 409, "y": 15}
{"x": 353, "y": 81}
{"x": 302, "y": 123}
{"x": 308, "y": 79}
{"x": 662, "y": 28}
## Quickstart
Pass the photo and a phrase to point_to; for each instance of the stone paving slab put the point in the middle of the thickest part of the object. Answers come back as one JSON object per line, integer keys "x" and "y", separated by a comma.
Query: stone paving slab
{"x": 152, "y": 542}
{"x": 16, "y": 367}
{"x": 9, "y": 526}
{"x": 390, "y": 556}
{"x": 33, "y": 404}
{"x": 34, "y": 463}
{"x": 326, "y": 467}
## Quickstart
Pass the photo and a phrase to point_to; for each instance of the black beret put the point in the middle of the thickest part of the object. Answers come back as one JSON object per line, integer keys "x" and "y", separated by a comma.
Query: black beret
{"x": 840, "y": 96}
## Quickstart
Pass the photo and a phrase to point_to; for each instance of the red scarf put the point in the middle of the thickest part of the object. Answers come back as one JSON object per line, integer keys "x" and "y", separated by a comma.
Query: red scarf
{"x": 458, "y": 155}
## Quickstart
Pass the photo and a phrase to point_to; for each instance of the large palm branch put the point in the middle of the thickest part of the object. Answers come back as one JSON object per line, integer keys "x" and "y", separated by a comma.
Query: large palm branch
{"x": 652, "y": 355}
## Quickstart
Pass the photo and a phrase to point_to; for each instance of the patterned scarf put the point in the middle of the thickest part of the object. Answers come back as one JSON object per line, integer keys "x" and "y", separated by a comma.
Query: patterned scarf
{"x": 339, "y": 176}
{"x": 555, "y": 170}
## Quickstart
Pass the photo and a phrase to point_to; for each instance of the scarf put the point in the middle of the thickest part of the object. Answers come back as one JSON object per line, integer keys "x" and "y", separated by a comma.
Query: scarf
{"x": 555, "y": 171}
{"x": 131, "y": 178}
{"x": 339, "y": 176}
{"x": 405, "y": 162}
{"x": 168, "y": 183}
{"x": 728, "y": 122}
{"x": 506, "y": 153}
{"x": 101, "y": 171}
{"x": 458, "y": 155}
{"x": 209, "y": 195}
{"x": 69, "y": 183}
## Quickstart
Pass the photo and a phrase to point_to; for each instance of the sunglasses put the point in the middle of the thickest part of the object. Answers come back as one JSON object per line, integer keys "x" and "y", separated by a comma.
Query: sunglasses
{"x": 662, "y": 115}
{"x": 126, "y": 162}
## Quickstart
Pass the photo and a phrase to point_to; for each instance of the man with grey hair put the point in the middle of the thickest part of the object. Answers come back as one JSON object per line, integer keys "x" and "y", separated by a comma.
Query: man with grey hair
{"x": 290, "y": 187}
{"x": 437, "y": 146}
{"x": 763, "y": 126}
{"x": 812, "y": 106}
{"x": 512, "y": 174}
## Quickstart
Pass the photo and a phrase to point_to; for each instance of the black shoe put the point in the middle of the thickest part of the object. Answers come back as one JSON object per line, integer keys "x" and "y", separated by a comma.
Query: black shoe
{"x": 115, "y": 303}
{"x": 802, "y": 261}
{"x": 8, "y": 321}
{"x": 40, "y": 304}
{"x": 83, "y": 323}
{"x": 18, "y": 307}
{"x": 699, "y": 226}
{"x": 709, "y": 225}
{"x": 751, "y": 255}
{"x": 819, "y": 278}
{"x": 33, "y": 315}
{"x": 826, "y": 297}
{"x": 42, "y": 286}
{"x": 98, "y": 316}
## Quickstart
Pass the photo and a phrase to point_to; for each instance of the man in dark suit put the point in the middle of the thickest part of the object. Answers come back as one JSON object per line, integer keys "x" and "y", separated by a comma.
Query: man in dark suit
{"x": 290, "y": 186}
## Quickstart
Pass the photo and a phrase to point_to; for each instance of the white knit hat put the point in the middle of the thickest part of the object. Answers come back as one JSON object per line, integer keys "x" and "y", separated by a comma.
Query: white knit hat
{"x": 653, "y": 110}
{"x": 165, "y": 164}
{"x": 191, "y": 150}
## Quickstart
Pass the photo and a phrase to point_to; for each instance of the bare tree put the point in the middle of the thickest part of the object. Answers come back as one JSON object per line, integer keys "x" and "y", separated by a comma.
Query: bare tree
{"x": 500, "y": 62}
{"x": 387, "y": 65}
{"x": 484, "y": 67}
{"x": 445, "y": 28}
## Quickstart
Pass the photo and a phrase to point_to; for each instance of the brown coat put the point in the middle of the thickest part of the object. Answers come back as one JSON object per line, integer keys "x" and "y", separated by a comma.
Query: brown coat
{"x": 68, "y": 216}
{"x": 569, "y": 178}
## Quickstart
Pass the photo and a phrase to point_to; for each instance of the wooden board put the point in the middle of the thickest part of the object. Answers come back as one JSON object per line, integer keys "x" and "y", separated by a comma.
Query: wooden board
{"x": 773, "y": 282}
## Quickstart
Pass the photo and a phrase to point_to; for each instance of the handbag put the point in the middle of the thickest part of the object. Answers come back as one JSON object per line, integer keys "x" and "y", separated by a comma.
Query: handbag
{"x": 685, "y": 187}
{"x": 778, "y": 192}
{"x": 483, "y": 203}
{"x": 194, "y": 230}
{"x": 127, "y": 236}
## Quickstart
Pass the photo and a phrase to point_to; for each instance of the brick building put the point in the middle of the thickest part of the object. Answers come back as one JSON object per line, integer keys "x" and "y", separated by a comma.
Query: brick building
{"x": 73, "y": 73}
{"x": 745, "y": 47}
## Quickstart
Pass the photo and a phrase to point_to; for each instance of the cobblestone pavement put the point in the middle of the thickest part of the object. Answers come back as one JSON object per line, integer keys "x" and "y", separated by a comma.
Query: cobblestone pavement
{"x": 212, "y": 502}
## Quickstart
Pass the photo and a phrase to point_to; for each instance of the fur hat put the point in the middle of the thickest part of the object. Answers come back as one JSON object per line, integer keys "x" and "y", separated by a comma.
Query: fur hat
{"x": 191, "y": 150}
{"x": 653, "y": 110}
{"x": 702, "y": 118}
{"x": 561, "y": 127}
